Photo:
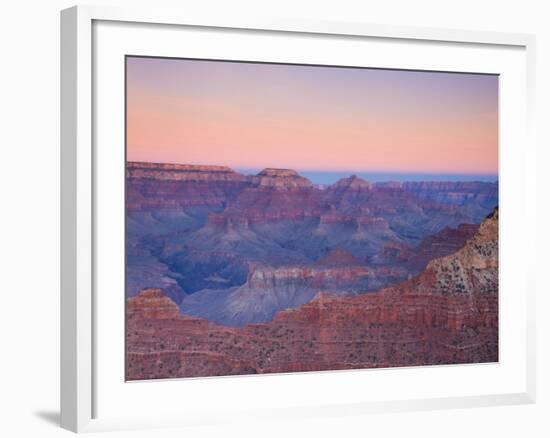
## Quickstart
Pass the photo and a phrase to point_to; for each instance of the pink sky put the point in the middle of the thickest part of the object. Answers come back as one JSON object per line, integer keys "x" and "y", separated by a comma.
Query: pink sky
{"x": 247, "y": 115}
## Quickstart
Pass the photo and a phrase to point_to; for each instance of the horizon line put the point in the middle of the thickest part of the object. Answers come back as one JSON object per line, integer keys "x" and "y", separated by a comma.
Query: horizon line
{"x": 329, "y": 177}
{"x": 317, "y": 170}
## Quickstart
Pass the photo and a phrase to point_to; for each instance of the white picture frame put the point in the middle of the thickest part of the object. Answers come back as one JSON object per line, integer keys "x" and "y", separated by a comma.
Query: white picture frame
{"x": 80, "y": 168}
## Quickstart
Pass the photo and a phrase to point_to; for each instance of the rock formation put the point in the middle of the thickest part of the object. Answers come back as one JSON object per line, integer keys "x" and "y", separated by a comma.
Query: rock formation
{"x": 270, "y": 290}
{"x": 456, "y": 193}
{"x": 204, "y": 230}
{"x": 152, "y": 304}
{"x": 339, "y": 257}
{"x": 448, "y": 314}
{"x": 181, "y": 172}
{"x": 281, "y": 179}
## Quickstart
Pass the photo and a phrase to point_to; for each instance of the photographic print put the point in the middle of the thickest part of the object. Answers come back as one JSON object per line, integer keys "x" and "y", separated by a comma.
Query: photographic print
{"x": 292, "y": 218}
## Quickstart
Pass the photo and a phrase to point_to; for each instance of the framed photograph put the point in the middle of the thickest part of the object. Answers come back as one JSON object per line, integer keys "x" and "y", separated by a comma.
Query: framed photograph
{"x": 253, "y": 208}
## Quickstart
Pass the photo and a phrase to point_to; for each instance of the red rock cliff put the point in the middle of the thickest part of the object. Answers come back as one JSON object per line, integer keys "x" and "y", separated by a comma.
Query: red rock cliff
{"x": 448, "y": 314}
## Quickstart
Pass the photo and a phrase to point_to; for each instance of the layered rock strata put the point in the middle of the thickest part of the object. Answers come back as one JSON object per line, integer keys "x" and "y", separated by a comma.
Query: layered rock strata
{"x": 448, "y": 314}
{"x": 194, "y": 229}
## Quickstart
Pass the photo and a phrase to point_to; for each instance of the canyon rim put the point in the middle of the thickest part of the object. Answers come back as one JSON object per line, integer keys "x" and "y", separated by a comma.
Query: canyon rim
{"x": 288, "y": 218}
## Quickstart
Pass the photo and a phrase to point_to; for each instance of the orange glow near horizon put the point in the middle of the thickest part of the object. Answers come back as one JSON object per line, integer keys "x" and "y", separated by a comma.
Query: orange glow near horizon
{"x": 311, "y": 118}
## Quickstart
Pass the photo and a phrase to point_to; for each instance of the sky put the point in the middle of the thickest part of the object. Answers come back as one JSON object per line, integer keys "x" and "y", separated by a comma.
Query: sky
{"x": 315, "y": 119}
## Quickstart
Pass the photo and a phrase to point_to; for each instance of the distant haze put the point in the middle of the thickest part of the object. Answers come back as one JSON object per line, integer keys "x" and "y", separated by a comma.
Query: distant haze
{"x": 321, "y": 121}
{"x": 332, "y": 177}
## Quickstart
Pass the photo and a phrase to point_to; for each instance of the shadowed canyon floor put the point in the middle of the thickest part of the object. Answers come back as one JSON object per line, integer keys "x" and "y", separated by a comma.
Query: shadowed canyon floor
{"x": 238, "y": 274}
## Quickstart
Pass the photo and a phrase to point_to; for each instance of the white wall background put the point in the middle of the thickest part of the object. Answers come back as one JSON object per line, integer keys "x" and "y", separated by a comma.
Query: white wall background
{"x": 29, "y": 216}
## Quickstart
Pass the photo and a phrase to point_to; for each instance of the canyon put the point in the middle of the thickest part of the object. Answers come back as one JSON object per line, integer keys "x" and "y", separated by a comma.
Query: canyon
{"x": 237, "y": 249}
{"x": 446, "y": 314}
